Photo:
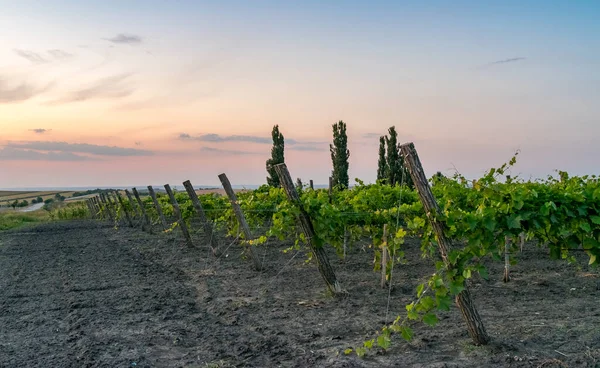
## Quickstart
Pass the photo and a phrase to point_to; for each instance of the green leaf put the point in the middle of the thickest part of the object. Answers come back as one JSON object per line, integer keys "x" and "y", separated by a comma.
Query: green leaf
{"x": 489, "y": 223}
{"x": 456, "y": 288}
{"x": 348, "y": 351}
{"x": 592, "y": 259}
{"x": 585, "y": 227}
{"x": 369, "y": 344}
{"x": 406, "y": 332}
{"x": 595, "y": 219}
{"x": 384, "y": 342}
{"x": 430, "y": 319}
{"x": 360, "y": 352}
{"x": 467, "y": 274}
{"x": 420, "y": 289}
{"x": 514, "y": 222}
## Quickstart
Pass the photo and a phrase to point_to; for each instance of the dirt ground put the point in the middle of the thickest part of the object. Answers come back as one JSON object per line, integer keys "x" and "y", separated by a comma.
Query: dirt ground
{"x": 82, "y": 294}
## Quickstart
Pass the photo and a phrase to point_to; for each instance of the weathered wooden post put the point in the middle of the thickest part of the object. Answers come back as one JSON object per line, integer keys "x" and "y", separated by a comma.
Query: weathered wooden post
{"x": 507, "y": 242}
{"x": 179, "y": 216}
{"x": 311, "y": 184}
{"x": 90, "y": 208}
{"x": 134, "y": 208}
{"x": 107, "y": 207}
{"x": 208, "y": 228}
{"x": 125, "y": 210}
{"x": 98, "y": 206}
{"x": 384, "y": 256}
{"x": 314, "y": 242}
{"x": 146, "y": 219}
{"x": 463, "y": 299}
{"x": 161, "y": 216}
{"x": 241, "y": 220}
{"x": 115, "y": 205}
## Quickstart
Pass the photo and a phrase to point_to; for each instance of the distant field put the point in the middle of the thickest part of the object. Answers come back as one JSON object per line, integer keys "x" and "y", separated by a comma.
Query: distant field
{"x": 8, "y": 196}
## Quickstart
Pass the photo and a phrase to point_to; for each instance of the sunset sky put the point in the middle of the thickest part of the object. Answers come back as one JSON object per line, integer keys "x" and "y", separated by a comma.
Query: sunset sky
{"x": 119, "y": 93}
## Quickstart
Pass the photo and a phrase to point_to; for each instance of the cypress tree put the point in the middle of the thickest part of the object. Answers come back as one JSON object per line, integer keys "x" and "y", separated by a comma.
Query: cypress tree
{"x": 381, "y": 174}
{"x": 276, "y": 157}
{"x": 392, "y": 156}
{"x": 339, "y": 155}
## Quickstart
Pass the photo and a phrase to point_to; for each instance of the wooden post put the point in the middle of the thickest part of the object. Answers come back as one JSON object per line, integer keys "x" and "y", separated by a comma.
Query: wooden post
{"x": 506, "y": 258}
{"x": 96, "y": 202}
{"x": 113, "y": 203}
{"x": 346, "y": 238}
{"x": 384, "y": 257}
{"x": 107, "y": 207}
{"x": 161, "y": 216}
{"x": 134, "y": 208}
{"x": 207, "y": 225}
{"x": 179, "y": 216}
{"x": 316, "y": 244}
{"x": 90, "y": 208}
{"x": 146, "y": 219}
{"x": 125, "y": 210}
{"x": 241, "y": 220}
{"x": 463, "y": 299}
{"x": 522, "y": 239}
{"x": 311, "y": 184}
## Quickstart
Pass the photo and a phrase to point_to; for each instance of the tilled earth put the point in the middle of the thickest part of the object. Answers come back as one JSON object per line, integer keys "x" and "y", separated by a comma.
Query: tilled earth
{"x": 83, "y": 294}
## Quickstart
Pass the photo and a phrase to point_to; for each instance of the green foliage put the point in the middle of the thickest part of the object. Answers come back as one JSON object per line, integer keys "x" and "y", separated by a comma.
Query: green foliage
{"x": 381, "y": 163}
{"x": 339, "y": 155}
{"x": 277, "y": 157}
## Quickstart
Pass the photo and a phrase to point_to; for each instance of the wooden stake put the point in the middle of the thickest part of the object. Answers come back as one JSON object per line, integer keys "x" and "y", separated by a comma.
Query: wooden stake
{"x": 522, "y": 238}
{"x": 311, "y": 184}
{"x": 207, "y": 225}
{"x": 315, "y": 244}
{"x": 180, "y": 220}
{"x": 506, "y": 259}
{"x": 241, "y": 219}
{"x": 384, "y": 257}
{"x": 134, "y": 208}
{"x": 161, "y": 216}
{"x": 125, "y": 210}
{"x": 463, "y": 299}
{"x": 142, "y": 208}
{"x": 106, "y": 207}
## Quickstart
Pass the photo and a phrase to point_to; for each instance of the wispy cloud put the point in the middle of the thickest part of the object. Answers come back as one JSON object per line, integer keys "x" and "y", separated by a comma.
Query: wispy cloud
{"x": 308, "y": 148}
{"x": 17, "y": 154}
{"x": 40, "y": 130}
{"x": 503, "y": 61}
{"x": 32, "y": 56}
{"x": 124, "y": 38}
{"x": 226, "y": 152}
{"x": 217, "y": 138}
{"x": 110, "y": 87}
{"x": 60, "y": 54}
{"x": 80, "y": 148}
{"x": 20, "y": 92}
{"x": 372, "y": 135}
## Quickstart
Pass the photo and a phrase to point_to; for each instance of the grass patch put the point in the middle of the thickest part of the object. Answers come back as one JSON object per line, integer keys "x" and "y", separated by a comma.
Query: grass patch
{"x": 13, "y": 219}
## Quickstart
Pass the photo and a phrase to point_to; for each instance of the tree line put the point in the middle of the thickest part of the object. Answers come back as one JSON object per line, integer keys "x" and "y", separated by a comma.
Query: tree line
{"x": 391, "y": 168}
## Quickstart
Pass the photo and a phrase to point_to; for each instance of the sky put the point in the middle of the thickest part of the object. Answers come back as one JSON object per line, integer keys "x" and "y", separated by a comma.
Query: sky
{"x": 119, "y": 93}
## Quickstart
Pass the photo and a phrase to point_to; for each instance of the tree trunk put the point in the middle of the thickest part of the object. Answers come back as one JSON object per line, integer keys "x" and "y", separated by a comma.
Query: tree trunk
{"x": 179, "y": 216}
{"x": 463, "y": 299}
{"x": 207, "y": 225}
{"x": 161, "y": 216}
{"x": 241, "y": 220}
{"x": 307, "y": 228}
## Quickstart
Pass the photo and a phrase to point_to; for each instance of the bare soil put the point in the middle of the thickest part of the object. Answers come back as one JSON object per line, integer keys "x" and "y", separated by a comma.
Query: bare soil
{"x": 82, "y": 294}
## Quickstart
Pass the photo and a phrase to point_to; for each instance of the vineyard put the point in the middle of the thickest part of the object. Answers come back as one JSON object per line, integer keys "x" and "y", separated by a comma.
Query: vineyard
{"x": 461, "y": 233}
